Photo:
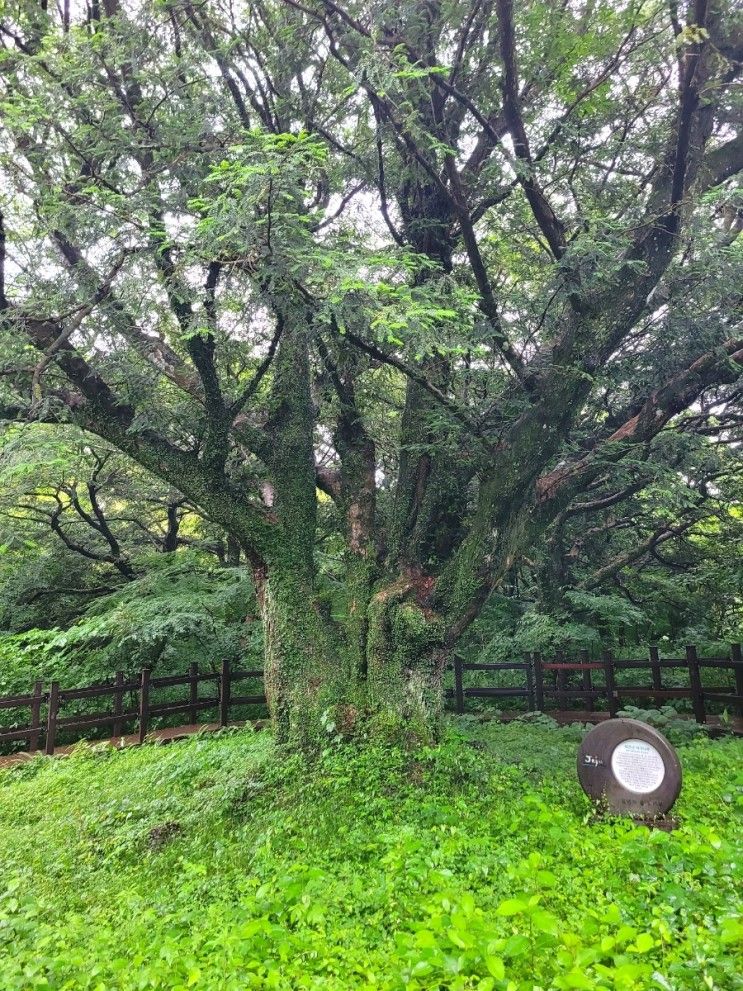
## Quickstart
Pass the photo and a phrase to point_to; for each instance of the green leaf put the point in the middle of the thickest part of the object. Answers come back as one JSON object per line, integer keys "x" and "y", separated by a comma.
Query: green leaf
{"x": 577, "y": 979}
{"x": 512, "y": 906}
{"x": 545, "y": 921}
{"x": 643, "y": 943}
{"x": 496, "y": 967}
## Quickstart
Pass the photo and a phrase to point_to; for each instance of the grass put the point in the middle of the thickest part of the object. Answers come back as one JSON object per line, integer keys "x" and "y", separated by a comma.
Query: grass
{"x": 219, "y": 864}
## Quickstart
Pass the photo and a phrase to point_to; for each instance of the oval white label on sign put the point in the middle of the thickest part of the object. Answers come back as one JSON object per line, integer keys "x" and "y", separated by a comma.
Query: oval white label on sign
{"x": 637, "y": 766}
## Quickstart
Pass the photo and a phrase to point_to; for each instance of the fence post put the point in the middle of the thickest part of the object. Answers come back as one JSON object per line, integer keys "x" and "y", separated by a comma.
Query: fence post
{"x": 655, "y": 669}
{"x": 51, "y": 722}
{"x": 538, "y": 681}
{"x": 118, "y": 704}
{"x": 587, "y": 681}
{"x": 33, "y": 736}
{"x": 697, "y": 695}
{"x": 193, "y": 674}
{"x": 611, "y": 695}
{"x": 561, "y": 682}
{"x": 144, "y": 704}
{"x": 224, "y": 694}
{"x": 737, "y": 658}
{"x": 458, "y": 687}
{"x": 531, "y": 704}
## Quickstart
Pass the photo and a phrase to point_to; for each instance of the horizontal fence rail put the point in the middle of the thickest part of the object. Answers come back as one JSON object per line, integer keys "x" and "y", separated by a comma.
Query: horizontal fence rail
{"x": 131, "y": 708}
{"x": 561, "y": 680}
{"x": 551, "y": 685}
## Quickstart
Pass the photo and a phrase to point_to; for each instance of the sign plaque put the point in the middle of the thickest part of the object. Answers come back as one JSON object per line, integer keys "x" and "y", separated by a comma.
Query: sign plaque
{"x": 629, "y": 766}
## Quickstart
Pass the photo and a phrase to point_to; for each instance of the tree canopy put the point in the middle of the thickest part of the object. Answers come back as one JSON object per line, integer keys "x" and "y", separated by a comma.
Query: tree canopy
{"x": 414, "y": 288}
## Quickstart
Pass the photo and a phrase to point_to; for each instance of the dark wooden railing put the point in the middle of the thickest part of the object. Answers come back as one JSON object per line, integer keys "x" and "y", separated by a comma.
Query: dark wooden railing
{"x": 546, "y": 686}
{"x": 547, "y": 681}
{"x": 132, "y": 705}
{"x": 32, "y": 732}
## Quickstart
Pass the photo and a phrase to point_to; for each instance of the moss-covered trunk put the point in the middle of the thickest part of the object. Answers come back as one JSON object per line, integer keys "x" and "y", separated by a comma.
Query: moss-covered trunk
{"x": 314, "y": 684}
{"x": 405, "y": 659}
{"x": 301, "y": 669}
{"x": 304, "y": 680}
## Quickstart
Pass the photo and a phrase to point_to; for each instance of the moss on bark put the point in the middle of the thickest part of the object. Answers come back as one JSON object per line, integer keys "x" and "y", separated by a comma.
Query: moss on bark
{"x": 404, "y": 661}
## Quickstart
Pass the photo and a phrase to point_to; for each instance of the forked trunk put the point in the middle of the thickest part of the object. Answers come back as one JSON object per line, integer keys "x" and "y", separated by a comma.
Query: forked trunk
{"x": 315, "y": 687}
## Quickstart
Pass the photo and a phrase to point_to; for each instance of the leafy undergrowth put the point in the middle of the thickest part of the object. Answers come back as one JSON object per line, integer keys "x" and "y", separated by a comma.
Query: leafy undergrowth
{"x": 217, "y": 864}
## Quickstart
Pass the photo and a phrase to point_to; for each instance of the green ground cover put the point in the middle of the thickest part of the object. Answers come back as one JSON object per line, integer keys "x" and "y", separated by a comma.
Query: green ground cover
{"x": 218, "y": 864}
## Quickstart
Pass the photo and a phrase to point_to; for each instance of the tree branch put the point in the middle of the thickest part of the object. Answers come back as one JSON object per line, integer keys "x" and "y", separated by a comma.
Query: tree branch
{"x": 420, "y": 379}
{"x": 723, "y": 365}
{"x": 688, "y": 102}
{"x": 544, "y": 215}
{"x": 722, "y": 163}
{"x": 260, "y": 371}
{"x": 3, "y": 298}
{"x": 617, "y": 564}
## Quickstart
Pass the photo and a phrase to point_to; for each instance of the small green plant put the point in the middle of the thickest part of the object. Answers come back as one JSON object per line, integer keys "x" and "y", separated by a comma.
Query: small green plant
{"x": 667, "y": 719}
{"x": 223, "y": 864}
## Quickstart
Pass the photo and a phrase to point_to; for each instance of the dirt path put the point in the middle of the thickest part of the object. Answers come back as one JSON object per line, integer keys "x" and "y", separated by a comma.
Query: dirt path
{"x": 181, "y": 732}
{"x": 132, "y": 740}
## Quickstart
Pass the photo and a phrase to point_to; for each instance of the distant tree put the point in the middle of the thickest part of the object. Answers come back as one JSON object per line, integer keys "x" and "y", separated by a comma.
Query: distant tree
{"x": 78, "y": 518}
{"x": 84, "y": 500}
{"x": 690, "y": 491}
{"x": 650, "y": 554}
{"x": 421, "y": 272}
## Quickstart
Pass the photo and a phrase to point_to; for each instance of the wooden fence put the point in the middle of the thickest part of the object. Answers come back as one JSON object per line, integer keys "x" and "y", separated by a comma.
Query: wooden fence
{"x": 545, "y": 683}
{"x": 555, "y": 681}
{"x": 46, "y": 707}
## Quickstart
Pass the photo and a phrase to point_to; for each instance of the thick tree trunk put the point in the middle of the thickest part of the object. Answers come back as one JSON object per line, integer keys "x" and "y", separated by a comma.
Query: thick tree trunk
{"x": 304, "y": 680}
{"x": 315, "y": 685}
{"x": 303, "y": 674}
{"x": 405, "y": 660}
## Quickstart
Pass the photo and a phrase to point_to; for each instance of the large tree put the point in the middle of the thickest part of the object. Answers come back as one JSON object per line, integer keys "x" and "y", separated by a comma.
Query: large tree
{"x": 411, "y": 276}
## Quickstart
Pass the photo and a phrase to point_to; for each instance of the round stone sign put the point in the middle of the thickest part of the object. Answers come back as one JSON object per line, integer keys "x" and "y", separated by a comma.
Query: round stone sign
{"x": 630, "y": 766}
